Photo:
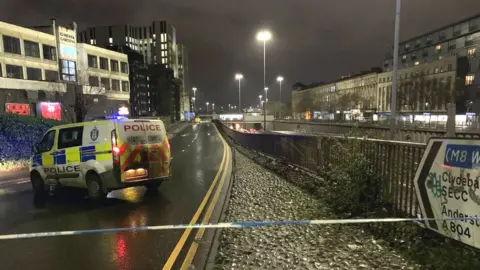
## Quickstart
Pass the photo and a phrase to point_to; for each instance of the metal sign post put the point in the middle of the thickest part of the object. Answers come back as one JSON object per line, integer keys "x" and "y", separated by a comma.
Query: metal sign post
{"x": 447, "y": 186}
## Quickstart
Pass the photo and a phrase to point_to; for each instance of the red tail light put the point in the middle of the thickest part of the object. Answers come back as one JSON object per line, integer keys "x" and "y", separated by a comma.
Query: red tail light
{"x": 115, "y": 149}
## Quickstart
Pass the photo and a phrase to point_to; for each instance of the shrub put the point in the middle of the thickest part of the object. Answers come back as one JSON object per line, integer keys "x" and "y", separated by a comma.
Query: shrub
{"x": 17, "y": 135}
{"x": 350, "y": 182}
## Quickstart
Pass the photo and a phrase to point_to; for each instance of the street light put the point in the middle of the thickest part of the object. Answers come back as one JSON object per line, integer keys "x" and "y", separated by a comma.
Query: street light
{"x": 207, "y": 107}
{"x": 393, "y": 101}
{"x": 194, "y": 91}
{"x": 280, "y": 80}
{"x": 213, "y": 107}
{"x": 239, "y": 77}
{"x": 264, "y": 36}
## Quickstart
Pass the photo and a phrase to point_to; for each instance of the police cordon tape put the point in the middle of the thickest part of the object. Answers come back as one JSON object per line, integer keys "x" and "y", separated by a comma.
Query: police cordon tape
{"x": 244, "y": 224}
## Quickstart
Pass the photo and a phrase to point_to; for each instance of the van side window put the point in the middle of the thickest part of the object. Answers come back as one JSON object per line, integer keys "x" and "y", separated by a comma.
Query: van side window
{"x": 70, "y": 137}
{"x": 46, "y": 144}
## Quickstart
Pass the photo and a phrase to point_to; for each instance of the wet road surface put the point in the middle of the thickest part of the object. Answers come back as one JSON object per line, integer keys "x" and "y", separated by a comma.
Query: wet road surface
{"x": 197, "y": 154}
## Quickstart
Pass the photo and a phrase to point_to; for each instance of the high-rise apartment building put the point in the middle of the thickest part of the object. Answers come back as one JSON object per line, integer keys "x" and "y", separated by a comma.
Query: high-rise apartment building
{"x": 185, "y": 93}
{"x": 157, "y": 43}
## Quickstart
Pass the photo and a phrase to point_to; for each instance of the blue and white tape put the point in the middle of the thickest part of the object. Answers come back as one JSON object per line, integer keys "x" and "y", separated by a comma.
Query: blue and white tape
{"x": 244, "y": 224}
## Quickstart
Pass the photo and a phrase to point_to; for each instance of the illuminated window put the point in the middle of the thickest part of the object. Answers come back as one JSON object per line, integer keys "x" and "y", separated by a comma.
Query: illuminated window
{"x": 438, "y": 47}
{"x": 110, "y": 40}
{"x": 472, "y": 52}
{"x": 469, "y": 79}
{"x": 164, "y": 60}
{"x": 154, "y": 36}
{"x": 163, "y": 38}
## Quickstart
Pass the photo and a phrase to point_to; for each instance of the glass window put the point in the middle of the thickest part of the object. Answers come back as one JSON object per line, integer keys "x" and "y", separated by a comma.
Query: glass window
{"x": 93, "y": 81}
{"x": 103, "y": 63}
{"x": 92, "y": 61}
{"x": 46, "y": 144}
{"x": 11, "y": 45}
{"x": 15, "y": 72}
{"x": 469, "y": 79}
{"x": 51, "y": 75}
{"x": 69, "y": 71}
{"x": 70, "y": 137}
{"x": 49, "y": 52}
{"x": 115, "y": 85}
{"x": 31, "y": 49}
{"x": 124, "y": 67}
{"x": 125, "y": 87}
{"x": 114, "y": 65}
{"x": 105, "y": 82}
{"x": 34, "y": 74}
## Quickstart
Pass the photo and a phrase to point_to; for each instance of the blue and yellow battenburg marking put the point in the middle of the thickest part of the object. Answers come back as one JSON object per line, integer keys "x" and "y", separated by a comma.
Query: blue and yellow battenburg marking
{"x": 97, "y": 152}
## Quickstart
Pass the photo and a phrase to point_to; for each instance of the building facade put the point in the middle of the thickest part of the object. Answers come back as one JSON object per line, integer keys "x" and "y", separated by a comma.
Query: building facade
{"x": 104, "y": 73}
{"x": 344, "y": 99}
{"x": 459, "y": 39}
{"x": 39, "y": 72}
{"x": 185, "y": 93}
{"x": 157, "y": 42}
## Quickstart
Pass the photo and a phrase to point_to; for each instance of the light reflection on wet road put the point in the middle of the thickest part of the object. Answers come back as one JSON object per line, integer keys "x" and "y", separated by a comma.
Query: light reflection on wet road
{"x": 197, "y": 154}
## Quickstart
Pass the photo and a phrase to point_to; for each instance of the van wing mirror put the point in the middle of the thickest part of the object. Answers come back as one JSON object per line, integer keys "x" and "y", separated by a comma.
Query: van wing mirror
{"x": 35, "y": 148}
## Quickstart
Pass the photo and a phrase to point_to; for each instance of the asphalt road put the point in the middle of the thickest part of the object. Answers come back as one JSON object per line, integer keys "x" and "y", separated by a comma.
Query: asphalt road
{"x": 197, "y": 154}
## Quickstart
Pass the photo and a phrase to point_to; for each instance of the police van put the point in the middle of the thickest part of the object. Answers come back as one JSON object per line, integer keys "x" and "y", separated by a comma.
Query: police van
{"x": 102, "y": 156}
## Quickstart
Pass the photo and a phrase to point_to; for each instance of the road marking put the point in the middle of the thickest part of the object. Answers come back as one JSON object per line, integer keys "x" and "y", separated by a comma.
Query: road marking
{"x": 16, "y": 181}
{"x": 198, "y": 237}
{"x": 178, "y": 248}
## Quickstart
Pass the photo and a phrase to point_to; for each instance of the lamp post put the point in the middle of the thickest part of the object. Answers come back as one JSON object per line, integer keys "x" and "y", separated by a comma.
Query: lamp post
{"x": 393, "y": 104}
{"x": 280, "y": 80}
{"x": 239, "y": 77}
{"x": 264, "y": 36}
{"x": 213, "y": 107}
{"x": 207, "y": 107}
{"x": 194, "y": 96}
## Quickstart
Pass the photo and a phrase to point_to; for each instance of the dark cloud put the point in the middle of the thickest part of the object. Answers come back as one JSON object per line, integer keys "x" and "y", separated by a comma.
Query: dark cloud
{"x": 313, "y": 40}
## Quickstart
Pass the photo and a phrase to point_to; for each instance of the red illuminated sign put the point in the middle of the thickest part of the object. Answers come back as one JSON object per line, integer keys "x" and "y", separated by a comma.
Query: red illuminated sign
{"x": 51, "y": 110}
{"x": 17, "y": 108}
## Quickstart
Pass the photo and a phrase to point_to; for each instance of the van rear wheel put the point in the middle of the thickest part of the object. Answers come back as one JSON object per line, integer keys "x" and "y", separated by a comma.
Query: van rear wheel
{"x": 152, "y": 187}
{"x": 95, "y": 187}
{"x": 40, "y": 194}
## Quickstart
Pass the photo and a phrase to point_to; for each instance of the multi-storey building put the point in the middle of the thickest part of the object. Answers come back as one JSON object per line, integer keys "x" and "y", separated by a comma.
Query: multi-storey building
{"x": 346, "y": 98}
{"x": 185, "y": 93}
{"x": 157, "y": 43}
{"x": 39, "y": 72}
{"x": 460, "y": 39}
{"x": 104, "y": 73}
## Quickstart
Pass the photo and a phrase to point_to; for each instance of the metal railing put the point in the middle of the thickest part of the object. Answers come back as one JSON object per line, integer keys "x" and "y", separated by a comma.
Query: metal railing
{"x": 394, "y": 163}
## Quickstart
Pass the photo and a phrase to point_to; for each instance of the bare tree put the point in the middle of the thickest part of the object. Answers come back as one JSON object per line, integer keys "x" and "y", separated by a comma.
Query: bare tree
{"x": 87, "y": 93}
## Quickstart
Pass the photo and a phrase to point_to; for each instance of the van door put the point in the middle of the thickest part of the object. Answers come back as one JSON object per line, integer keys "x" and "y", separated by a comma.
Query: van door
{"x": 45, "y": 156}
{"x": 141, "y": 148}
{"x": 67, "y": 156}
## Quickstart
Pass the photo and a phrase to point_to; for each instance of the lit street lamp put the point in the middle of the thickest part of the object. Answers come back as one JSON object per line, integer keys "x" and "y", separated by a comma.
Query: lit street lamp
{"x": 239, "y": 77}
{"x": 280, "y": 80}
{"x": 194, "y": 91}
{"x": 213, "y": 107}
{"x": 264, "y": 36}
{"x": 207, "y": 107}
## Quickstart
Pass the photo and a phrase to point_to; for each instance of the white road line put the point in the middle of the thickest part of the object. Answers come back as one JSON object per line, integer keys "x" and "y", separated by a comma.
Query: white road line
{"x": 15, "y": 181}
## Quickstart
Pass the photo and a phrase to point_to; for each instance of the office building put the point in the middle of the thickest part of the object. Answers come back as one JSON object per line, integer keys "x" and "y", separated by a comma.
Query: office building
{"x": 460, "y": 39}
{"x": 40, "y": 72}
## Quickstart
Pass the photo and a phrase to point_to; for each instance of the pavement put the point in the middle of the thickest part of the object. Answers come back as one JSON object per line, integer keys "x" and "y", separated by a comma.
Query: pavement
{"x": 260, "y": 195}
{"x": 197, "y": 153}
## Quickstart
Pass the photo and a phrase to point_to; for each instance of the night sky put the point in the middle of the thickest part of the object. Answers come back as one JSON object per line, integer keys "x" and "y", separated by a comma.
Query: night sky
{"x": 313, "y": 40}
